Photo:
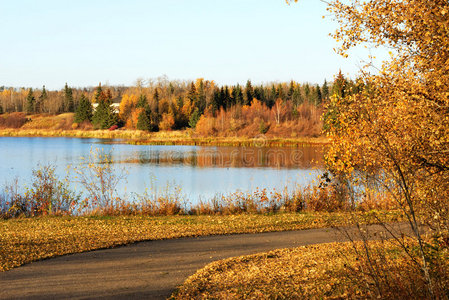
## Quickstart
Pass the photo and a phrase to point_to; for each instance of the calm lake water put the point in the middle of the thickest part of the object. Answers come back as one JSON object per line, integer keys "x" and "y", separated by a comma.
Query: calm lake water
{"x": 200, "y": 172}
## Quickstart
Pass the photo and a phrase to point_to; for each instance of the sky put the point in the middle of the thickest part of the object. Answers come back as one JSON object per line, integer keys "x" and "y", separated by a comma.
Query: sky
{"x": 116, "y": 42}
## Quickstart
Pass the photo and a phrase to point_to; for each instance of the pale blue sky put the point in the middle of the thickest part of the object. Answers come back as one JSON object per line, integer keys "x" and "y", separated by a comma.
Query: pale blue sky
{"x": 117, "y": 41}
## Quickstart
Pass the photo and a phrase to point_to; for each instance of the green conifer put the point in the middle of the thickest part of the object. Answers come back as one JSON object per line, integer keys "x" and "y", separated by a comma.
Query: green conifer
{"x": 83, "y": 111}
{"x": 31, "y": 101}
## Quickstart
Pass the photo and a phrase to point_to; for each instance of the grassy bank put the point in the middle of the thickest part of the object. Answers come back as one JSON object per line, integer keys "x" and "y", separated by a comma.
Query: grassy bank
{"x": 184, "y": 137}
{"x": 23, "y": 240}
{"x": 43, "y": 125}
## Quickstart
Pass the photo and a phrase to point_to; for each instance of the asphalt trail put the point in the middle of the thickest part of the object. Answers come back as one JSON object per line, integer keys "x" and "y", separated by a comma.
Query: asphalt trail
{"x": 151, "y": 269}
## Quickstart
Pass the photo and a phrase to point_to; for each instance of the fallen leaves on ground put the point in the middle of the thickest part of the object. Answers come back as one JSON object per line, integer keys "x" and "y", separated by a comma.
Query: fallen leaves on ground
{"x": 24, "y": 240}
{"x": 307, "y": 272}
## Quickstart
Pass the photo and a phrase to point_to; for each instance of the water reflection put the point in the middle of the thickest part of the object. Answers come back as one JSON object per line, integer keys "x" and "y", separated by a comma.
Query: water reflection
{"x": 231, "y": 157}
{"x": 201, "y": 172}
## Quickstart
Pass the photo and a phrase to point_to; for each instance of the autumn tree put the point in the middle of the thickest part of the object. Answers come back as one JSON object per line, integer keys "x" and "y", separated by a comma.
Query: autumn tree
{"x": 394, "y": 127}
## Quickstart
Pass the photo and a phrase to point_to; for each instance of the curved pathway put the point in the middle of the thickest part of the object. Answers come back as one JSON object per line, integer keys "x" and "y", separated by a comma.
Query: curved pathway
{"x": 150, "y": 270}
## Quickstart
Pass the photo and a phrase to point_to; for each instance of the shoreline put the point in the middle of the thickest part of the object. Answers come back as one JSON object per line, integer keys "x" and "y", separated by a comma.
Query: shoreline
{"x": 136, "y": 137}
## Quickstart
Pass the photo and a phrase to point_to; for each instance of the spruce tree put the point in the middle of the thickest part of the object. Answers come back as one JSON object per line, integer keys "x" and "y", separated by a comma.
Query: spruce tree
{"x": 238, "y": 94}
{"x": 325, "y": 90}
{"x": 249, "y": 93}
{"x": 259, "y": 94}
{"x": 69, "y": 106}
{"x": 180, "y": 102}
{"x": 39, "y": 104}
{"x": 31, "y": 102}
{"x": 83, "y": 111}
{"x": 297, "y": 98}
{"x": 340, "y": 86}
{"x": 142, "y": 101}
{"x": 280, "y": 92}
{"x": 201, "y": 99}
{"x": 156, "y": 101}
{"x": 215, "y": 103}
{"x": 194, "y": 118}
{"x": 104, "y": 116}
{"x": 99, "y": 95}
{"x": 307, "y": 92}
{"x": 272, "y": 97}
{"x": 318, "y": 96}
{"x": 291, "y": 91}
{"x": 192, "y": 94}
{"x": 143, "y": 121}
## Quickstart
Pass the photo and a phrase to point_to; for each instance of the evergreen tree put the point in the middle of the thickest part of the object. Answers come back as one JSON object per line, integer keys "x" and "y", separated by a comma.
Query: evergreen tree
{"x": 31, "y": 102}
{"x": 237, "y": 95}
{"x": 192, "y": 95}
{"x": 259, "y": 94}
{"x": 69, "y": 105}
{"x": 215, "y": 103}
{"x": 272, "y": 97}
{"x": 318, "y": 96}
{"x": 104, "y": 115}
{"x": 339, "y": 89}
{"x": 180, "y": 102}
{"x": 156, "y": 101}
{"x": 39, "y": 105}
{"x": 306, "y": 88}
{"x": 99, "y": 95}
{"x": 154, "y": 120}
{"x": 201, "y": 98}
{"x": 142, "y": 102}
{"x": 83, "y": 111}
{"x": 221, "y": 98}
{"x": 249, "y": 93}
{"x": 291, "y": 90}
{"x": 325, "y": 90}
{"x": 297, "y": 98}
{"x": 340, "y": 86}
{"x": 194, "y": 118}
{"x": 227, "y": 98}
{"x": 280, "y": 92}
{"x": 143, "y": 120}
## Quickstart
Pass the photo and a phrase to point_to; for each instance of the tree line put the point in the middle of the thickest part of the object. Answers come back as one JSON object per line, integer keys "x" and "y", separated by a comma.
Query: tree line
{"x": 171, "y": 105}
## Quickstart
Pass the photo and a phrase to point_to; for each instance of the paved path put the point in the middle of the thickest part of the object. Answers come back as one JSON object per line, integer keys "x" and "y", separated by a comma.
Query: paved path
{"x": 150, "y": 270}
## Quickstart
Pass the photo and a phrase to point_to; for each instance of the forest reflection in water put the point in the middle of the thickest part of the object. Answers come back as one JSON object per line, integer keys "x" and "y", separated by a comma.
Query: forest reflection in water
{"x": 234, "y": 157}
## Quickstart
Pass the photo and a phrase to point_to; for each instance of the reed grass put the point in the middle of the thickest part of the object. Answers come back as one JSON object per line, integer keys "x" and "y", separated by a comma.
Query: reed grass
{"x": 184, "y": 137}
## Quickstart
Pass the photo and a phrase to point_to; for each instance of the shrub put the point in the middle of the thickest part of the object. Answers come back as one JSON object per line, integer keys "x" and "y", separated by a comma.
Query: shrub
{"x": 13, "y": 120}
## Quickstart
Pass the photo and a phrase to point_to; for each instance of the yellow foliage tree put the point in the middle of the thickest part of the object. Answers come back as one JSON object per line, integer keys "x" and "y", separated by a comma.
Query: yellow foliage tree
{"x": 396, "y": 130}
{"x": 128, "y": 103}
{"x": 167, "y": 122}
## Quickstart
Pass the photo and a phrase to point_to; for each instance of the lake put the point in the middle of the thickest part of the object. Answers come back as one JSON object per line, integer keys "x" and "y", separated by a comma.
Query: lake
{"x": 201, "y": 172}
